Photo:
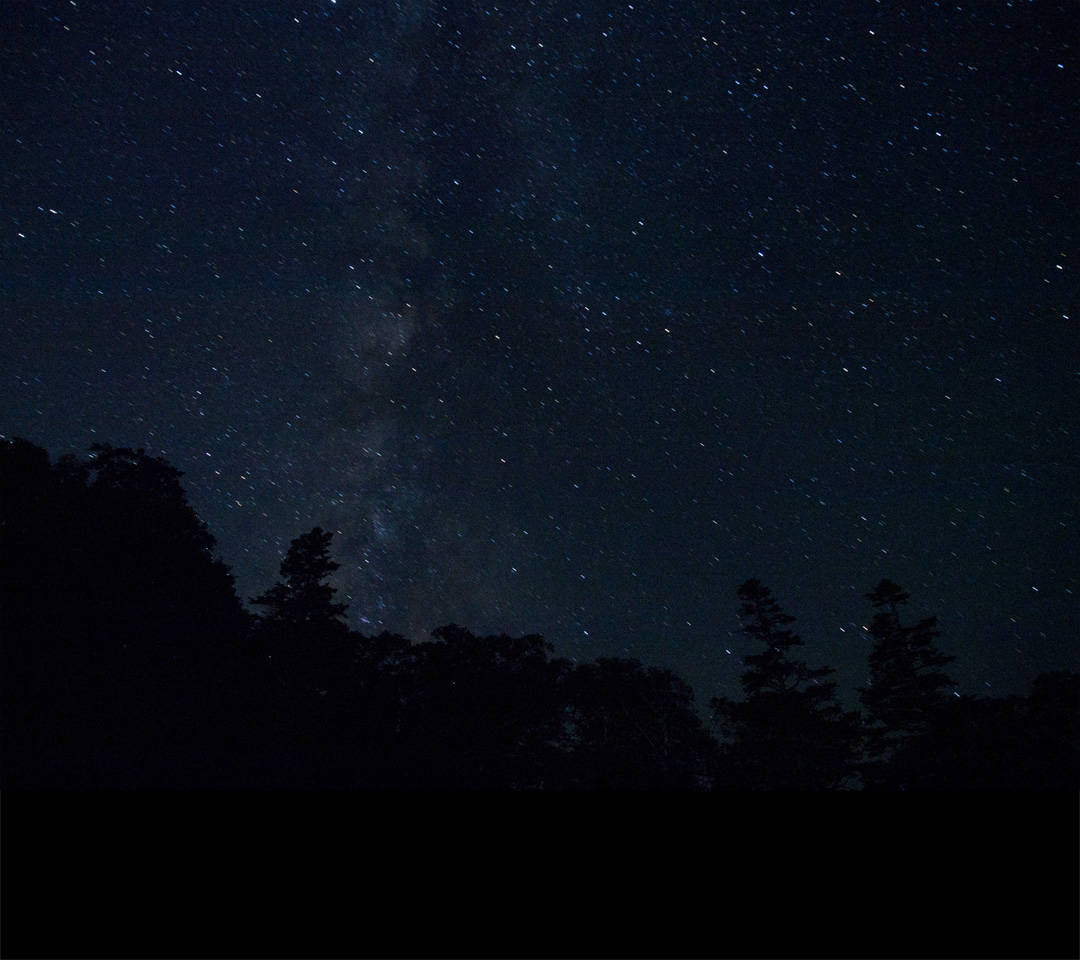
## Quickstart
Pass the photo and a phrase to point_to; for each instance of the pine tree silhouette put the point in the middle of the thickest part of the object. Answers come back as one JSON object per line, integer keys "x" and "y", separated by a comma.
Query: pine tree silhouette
{"x": 302, "y": 598}
{"x": 790, "y": 732}
{"x": 904, "y": 697}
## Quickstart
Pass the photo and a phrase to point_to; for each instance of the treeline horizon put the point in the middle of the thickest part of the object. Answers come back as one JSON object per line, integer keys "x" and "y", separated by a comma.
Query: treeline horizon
{"x": 128, "y": 661}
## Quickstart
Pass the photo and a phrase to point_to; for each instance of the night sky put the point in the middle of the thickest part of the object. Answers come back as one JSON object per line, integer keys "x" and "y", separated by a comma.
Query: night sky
{"x": 570, "y": 317}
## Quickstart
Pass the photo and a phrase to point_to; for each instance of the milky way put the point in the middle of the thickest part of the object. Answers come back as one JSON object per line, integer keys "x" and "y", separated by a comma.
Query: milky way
{"x": 568, "y": 319}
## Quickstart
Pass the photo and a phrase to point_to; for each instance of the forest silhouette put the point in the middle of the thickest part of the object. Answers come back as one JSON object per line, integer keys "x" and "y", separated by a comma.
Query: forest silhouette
{"x": 127, "y": 661}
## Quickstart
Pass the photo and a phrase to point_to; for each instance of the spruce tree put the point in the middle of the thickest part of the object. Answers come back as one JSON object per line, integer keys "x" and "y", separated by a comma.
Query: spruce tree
{"x": 302, "y": 598}
{"x": 303, "y": 639}
{"x": 790, "y": 733}
{"x": 905, "y": 694}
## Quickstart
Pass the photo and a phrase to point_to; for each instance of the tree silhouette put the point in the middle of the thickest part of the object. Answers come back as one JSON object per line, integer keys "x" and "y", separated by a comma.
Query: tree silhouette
{"x": 364, "y": 742}
{"x": 303, "y": 653}
{"x": 481, "y": 712}
{"x": 905, "y": 691}
{"x": 118, "y": 620}
{"x": 790, "y": 732}
{"x": 634, "y": 728}
{"x": 1052, "y": 722}
{"x": 302, "y": 599}
{"x": 997, "y": 743}
{"x": 127, "y": 661}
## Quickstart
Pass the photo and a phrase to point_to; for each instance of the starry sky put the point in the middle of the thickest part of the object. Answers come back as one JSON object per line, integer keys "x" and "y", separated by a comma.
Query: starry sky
{"x": 569, "y": 317}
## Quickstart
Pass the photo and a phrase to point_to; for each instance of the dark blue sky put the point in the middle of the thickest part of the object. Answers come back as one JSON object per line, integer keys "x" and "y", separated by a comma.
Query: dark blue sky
{"x": 569, "y": 318}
